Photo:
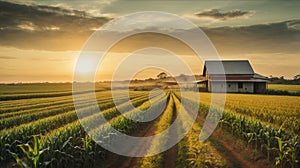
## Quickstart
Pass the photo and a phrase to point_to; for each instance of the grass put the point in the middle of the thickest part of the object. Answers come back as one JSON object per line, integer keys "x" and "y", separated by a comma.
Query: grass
{"x": 289, "y": 88}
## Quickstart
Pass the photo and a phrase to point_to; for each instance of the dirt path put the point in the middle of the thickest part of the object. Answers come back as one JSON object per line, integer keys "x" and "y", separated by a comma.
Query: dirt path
{"x": 235, "y": 154}
{"x": 131, "y": 162}
{"x": 146, "y": 129}
{"x": 171, "y": 154}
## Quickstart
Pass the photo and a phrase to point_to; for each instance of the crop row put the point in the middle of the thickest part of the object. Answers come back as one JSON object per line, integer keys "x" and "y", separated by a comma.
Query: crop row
{"x": 18, "y": 105}
{"x": 36, "y": 114}
{"x": 32, "y": 101}
{"x": 160, "y": 142}
{"x": 70, "y": 130}
{"x": 7, "y": 106}
{"x": 127, "y": 122}
{"x": 279, "y": 111}
{"x": 192, "y": 152}
{"x": 276, "y": 144}
{"x": 42, "y": 95}
{"x": 47, "y": 124}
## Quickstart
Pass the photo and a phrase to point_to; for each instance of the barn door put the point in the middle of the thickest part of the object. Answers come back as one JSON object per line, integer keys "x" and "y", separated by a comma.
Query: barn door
{"x": 256, "y": 87}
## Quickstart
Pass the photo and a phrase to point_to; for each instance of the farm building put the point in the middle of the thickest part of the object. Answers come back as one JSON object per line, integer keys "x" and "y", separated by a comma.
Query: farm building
{"x": 231, "y": 76}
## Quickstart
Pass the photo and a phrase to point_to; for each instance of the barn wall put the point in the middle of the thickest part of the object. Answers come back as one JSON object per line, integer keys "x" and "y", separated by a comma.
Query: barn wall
{"x": 217, "y": 87}
{"x": 248, "y": 87}
{"x": 231, "y": 87}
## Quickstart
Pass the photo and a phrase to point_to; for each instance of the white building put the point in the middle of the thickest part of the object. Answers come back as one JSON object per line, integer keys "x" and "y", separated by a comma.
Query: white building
{"x": 232, "y": 76}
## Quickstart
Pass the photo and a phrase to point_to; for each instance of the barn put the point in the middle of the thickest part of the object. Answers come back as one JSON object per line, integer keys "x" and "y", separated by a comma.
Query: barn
{"x": 233, "y": 76}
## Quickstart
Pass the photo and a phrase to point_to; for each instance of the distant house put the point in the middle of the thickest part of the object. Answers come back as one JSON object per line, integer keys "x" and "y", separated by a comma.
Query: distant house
{"x": 231, "y": 76}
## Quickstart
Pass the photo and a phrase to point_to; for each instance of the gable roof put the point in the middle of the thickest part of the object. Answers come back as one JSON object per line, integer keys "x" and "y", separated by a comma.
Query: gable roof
{"x": 259, "y": 76}
{"x": 231, "y": 67}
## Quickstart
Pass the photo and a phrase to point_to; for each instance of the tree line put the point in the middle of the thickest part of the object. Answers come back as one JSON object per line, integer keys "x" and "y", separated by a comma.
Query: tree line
{"x": 282, "y": 80}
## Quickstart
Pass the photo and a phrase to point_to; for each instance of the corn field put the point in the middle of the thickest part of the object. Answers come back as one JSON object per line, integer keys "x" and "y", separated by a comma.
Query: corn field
{"x": 39, "y": 129}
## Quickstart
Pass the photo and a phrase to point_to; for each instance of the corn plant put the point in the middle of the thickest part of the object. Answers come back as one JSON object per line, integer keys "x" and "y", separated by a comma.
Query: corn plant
{"x": 286, "y": 147}
{"x": 88, "y": 151}
{"x": 282, "y": 154}
{"x": 196, "y": 154}
{"x": 293, "y": 148}
{"x": 32, "y": 154}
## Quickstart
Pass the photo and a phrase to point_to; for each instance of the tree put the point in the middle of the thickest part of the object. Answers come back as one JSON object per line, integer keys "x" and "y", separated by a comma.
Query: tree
{"x": 162, "y": 75}
{"x": 297, "y": 77}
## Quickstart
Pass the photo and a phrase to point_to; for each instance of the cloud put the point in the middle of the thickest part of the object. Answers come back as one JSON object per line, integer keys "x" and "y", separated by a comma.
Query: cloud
{"x": 216, "y": 14}
{"x": 32, "y": 26}
{"x": 55, "y": 28}
{"x": 7, "y": 57}
{"x": 280, "y": 37}
{"x": 295, "y": 24}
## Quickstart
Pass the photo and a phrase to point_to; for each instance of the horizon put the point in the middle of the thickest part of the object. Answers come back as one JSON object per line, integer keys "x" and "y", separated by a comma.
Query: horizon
{"x": 107, "y": 81}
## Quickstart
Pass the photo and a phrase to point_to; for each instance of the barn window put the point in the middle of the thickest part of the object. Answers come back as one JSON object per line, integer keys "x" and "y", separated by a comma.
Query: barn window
{"x": 240, "y": 85}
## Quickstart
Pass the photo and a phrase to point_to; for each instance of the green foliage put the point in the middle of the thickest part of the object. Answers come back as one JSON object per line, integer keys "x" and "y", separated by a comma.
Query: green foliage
{"x": 31, "y": 154}
{"x": 63, "y": 142}
{"x": 63, "y": 137}
{"x": 192, "y": 152}
{"x": 276, "y": 144}
{"x": 164, "y": 122}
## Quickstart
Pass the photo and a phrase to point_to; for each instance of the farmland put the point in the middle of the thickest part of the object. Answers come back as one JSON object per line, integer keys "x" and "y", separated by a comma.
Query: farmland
{"x": 39, "y": 127}
{"x": 283, "y": 87}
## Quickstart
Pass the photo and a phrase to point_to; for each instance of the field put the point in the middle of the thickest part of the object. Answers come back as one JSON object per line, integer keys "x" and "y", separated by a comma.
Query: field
{"x": 39, "y": 127}
{"x": 283, "y": 87}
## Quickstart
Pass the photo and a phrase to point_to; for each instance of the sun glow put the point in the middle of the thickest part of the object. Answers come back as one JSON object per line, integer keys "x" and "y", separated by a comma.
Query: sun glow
{"x": 87, "y": 62}
{"x": 85, "y": 66}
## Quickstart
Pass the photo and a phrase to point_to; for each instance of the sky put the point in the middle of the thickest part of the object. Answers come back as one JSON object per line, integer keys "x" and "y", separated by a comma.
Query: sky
{"x": 41, "y": 40}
